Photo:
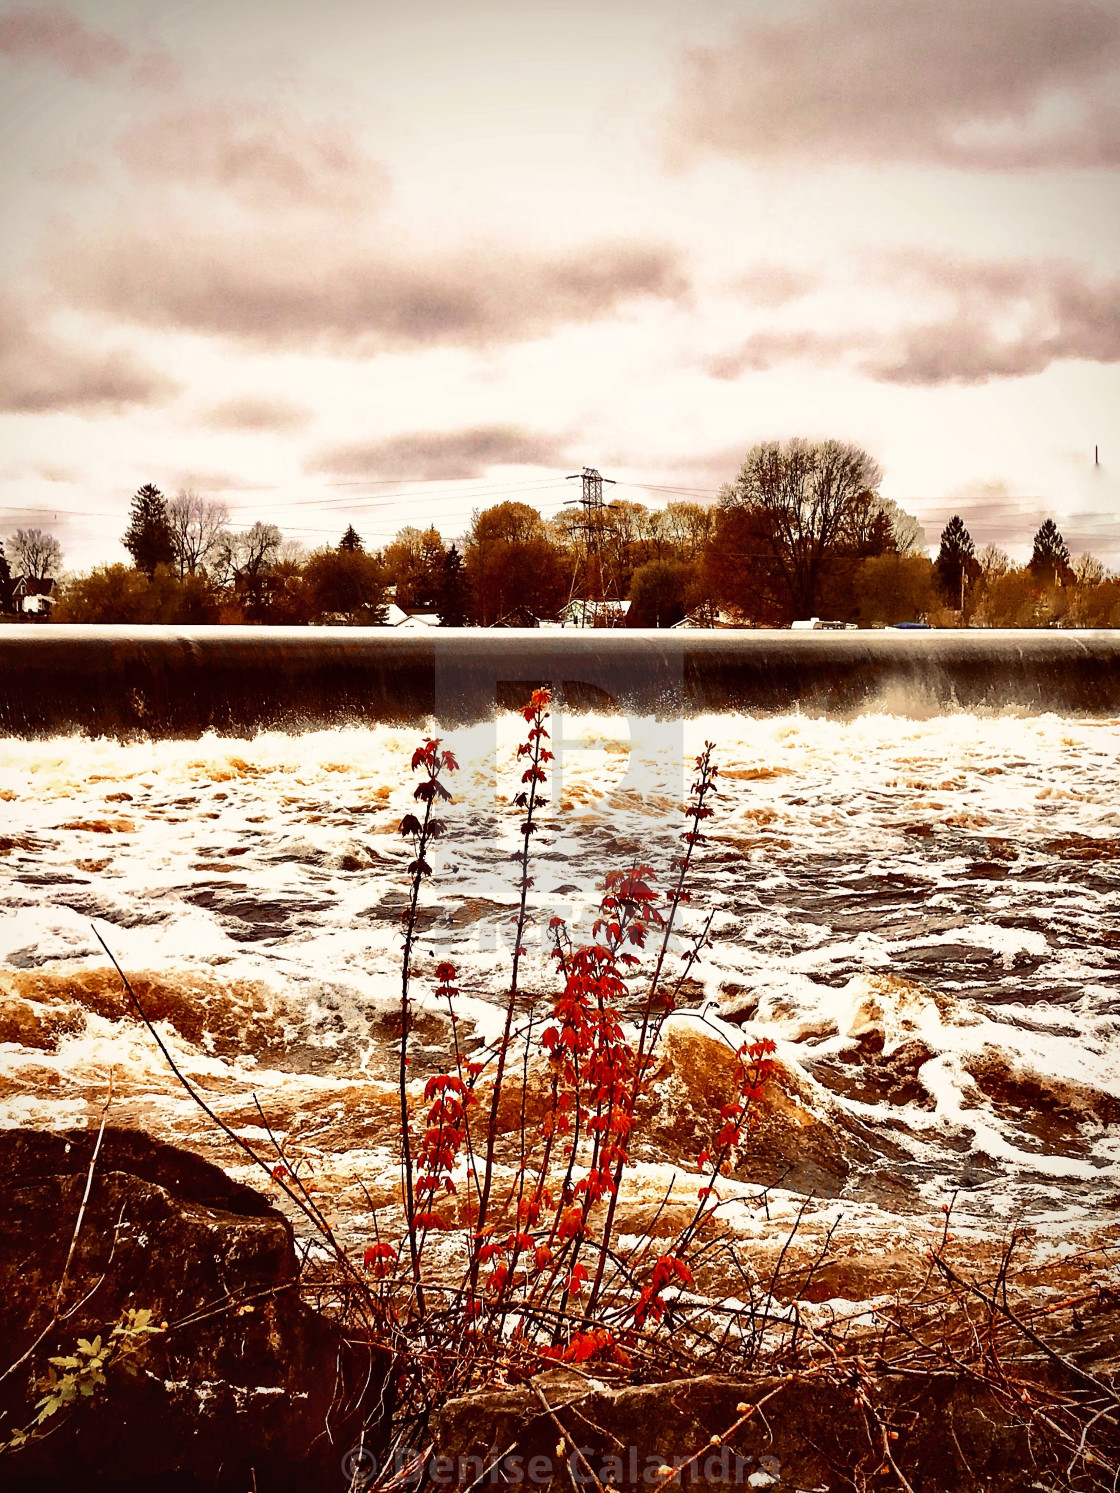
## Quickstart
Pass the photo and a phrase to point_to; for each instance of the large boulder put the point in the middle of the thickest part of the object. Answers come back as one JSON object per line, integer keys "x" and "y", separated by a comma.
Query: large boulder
{"x": 790, "y": 1143}
{"x": 247, "y": 1381}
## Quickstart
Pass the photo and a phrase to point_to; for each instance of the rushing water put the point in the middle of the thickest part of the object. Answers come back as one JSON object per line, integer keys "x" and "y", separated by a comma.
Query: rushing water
{"x": 924, "y": 913}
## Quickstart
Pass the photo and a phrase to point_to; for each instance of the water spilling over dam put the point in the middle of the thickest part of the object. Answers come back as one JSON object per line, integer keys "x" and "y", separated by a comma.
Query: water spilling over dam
{"x": 184, "y": 681}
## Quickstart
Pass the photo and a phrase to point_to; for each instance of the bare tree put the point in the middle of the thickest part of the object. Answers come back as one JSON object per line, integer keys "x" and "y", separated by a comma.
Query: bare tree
{"x": 797, "y": 501}
{"x": 247, "y": 556}
{"x": 1088, "y": 570}
{"x": 244, "y": 564}
{"x": 223, "y": 568}
{"x": 689, "y": 527}
{"x": 909, "y": 536}
{"x": 292, "y": 552}
{"x": 260, "y": 546}
{"x": 37, "y": 556}
{"x": 994, "y": 562}
{"x": 195, "y": 523}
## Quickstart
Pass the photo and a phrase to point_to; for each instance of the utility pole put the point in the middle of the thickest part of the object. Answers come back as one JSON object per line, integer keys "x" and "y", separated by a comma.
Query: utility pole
{"x": 591, "y": 501}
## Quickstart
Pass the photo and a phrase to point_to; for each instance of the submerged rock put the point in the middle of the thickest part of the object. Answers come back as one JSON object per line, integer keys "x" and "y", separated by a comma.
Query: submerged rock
{"x": 788, "y": 1143}
{"x": 247, "y": 1381}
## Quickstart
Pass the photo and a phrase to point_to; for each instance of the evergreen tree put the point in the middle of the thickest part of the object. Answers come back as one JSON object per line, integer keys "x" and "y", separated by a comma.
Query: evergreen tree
{"x": 5, "y": 583}
{"x": 956, "y": 563}
{"x": 148, "y": 538}
{"x": 427, "y": 577}
{"x": 453, "y": 599}
{"x": 1050, "y": 558}
{"x": 351, "y": 540}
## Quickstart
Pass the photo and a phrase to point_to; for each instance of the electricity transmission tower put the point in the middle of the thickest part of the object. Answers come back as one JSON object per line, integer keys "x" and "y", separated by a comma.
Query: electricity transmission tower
{"x": 594, "y": 513}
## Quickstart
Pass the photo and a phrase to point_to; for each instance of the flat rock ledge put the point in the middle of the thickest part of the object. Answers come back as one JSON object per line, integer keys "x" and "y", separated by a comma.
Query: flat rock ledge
{"x": 809, "y": 1435}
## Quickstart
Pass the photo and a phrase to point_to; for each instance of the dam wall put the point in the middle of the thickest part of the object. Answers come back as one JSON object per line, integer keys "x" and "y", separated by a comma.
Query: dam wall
{"x": 183, "y": 681}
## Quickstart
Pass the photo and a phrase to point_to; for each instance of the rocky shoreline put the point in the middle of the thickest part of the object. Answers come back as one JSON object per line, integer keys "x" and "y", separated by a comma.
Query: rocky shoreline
{"x": 243, "y": 1386}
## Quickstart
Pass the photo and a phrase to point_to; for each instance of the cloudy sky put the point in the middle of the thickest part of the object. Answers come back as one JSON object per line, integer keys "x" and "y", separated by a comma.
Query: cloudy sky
{"x": 384, "y": 262}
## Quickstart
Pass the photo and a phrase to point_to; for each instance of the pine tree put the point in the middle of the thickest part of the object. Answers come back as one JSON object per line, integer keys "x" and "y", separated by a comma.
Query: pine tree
{"x": 427, "y": 577}
{"x": 1050, "y": 558}
{"x": 148, "y": 538}
{"x": 453, "y": 600}
{"x": 956, "y": 563}
{"x": 351, "y": 540}
{"x": 5, "y": 583}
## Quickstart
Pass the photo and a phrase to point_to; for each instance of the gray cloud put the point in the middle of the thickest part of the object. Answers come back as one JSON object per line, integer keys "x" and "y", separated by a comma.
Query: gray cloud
{"x": 992, "y": 321}
{"x": 245, "y": 220}
{"x": 1004, "y": 84}
{"x": 263, "y": 154}
{"x": 250, "y": 413}
{"x": 209, "y": 482}
{"x": 1007, "y": 320}
{"x": 775, "y": 284}
{"x": 293, "y": 290}
{"x": 770, "y": 348}
{"x": 52, "y": 35}
{"x": 38, "y": 34}
{"x": 41, "y": 374}
{"x": 448, "y": 455}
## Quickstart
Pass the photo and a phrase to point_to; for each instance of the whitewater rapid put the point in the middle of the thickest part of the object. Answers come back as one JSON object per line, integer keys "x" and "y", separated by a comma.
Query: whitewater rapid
{"x": 924, "y": 914}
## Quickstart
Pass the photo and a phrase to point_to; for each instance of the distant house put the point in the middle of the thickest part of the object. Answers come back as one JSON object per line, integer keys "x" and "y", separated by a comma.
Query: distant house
{"x": 518, "y": 617}
{"x": 704, "y": 620}
{"x": 32, "y": 597}
{"x": 395, "y": 616}
{"x": 580, "y": 613}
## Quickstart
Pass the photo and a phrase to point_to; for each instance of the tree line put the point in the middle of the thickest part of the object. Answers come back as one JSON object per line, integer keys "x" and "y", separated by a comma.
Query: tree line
{"x": 802, "y": 532}
{"x": 986, "y": 588}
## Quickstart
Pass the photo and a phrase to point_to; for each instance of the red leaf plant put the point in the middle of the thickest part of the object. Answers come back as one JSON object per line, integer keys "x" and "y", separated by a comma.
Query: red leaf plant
{"x": 515, "y": 1264}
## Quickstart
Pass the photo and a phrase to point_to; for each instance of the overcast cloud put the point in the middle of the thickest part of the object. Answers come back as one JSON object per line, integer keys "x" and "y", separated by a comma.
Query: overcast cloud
{"x": 996, "y": 320}
{"x": 285, "y": 251}
{"x": 427, "y": 456}
{"x": 42, "y": 373}
{"x": 1004, "y": 84}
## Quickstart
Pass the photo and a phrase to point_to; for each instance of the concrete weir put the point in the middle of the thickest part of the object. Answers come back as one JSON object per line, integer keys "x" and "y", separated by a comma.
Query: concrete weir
{"x": 183, "y": 681}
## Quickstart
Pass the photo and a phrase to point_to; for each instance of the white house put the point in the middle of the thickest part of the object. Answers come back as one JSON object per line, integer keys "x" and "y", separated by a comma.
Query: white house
{"x": 409, "y": 621}
{"x": 594, "y": 614}
{"x": 33, "y": 596}
{"x": 697, "y": 620}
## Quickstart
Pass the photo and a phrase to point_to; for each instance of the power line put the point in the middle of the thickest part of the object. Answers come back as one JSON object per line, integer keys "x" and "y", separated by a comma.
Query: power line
{"x": 522, "y": 486}
{"x": 439, "y": 495}
{"x": 344, "y": 505}
{"x": 698, "y": 492}
{"x": 296, "y": 529}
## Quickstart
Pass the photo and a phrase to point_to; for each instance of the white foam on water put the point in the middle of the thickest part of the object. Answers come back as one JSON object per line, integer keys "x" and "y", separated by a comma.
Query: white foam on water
{"x": 953, "y": 854}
